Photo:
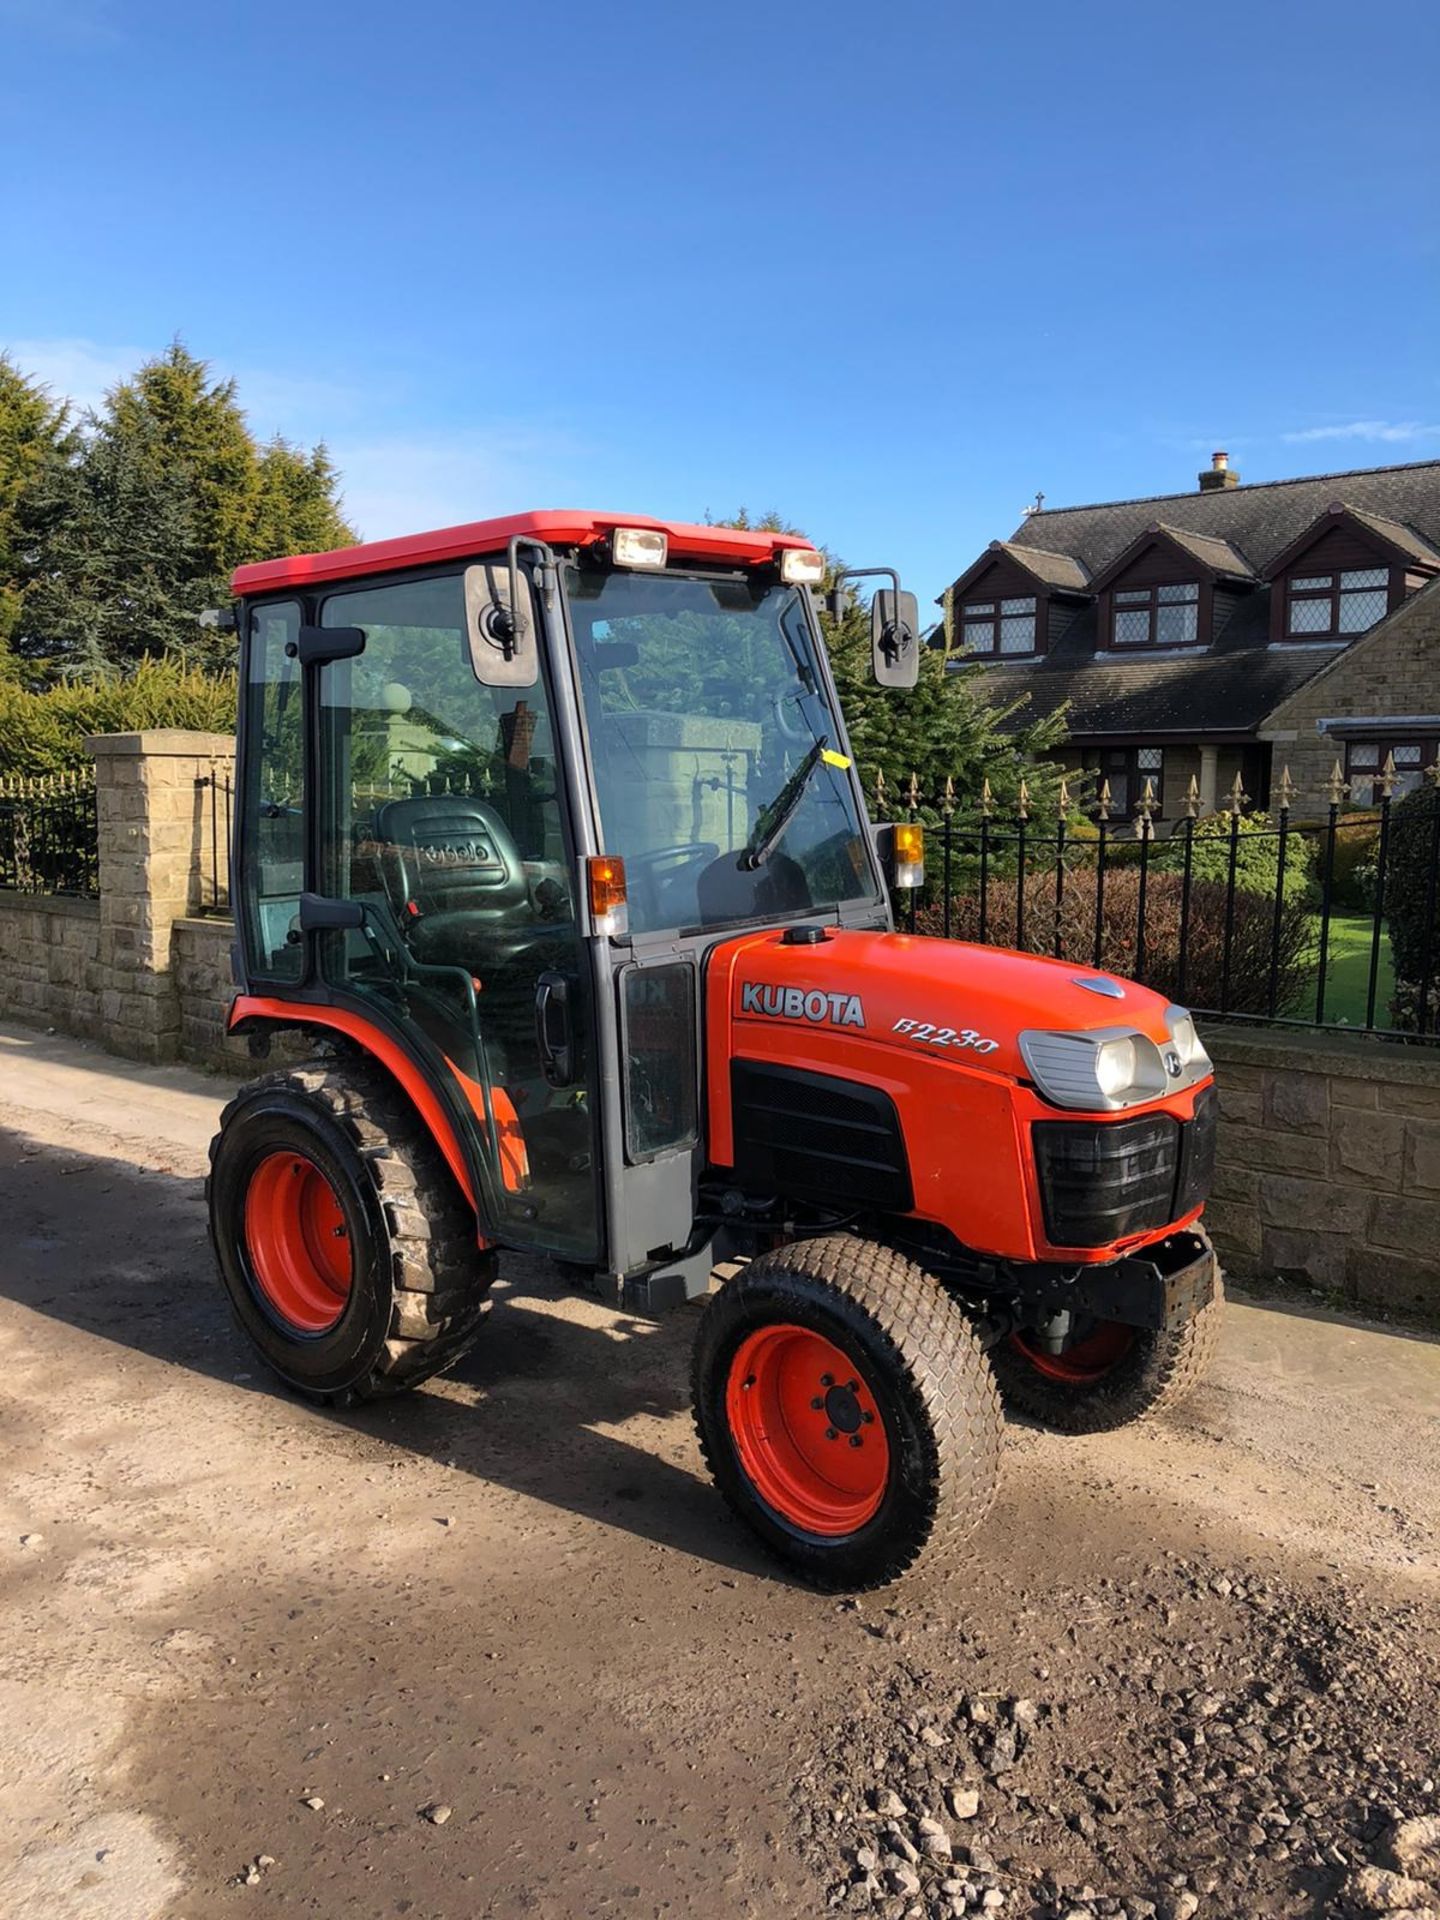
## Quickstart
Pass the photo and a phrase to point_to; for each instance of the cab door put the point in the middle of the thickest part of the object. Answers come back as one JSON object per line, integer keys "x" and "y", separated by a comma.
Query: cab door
{"x": 441, "y": 809}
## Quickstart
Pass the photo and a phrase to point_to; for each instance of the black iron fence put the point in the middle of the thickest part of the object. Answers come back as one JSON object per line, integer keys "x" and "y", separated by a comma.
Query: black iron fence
{"x": 1325, "y": 922}
{"x": 215, "y": 798}
{"x": 49, "y": 839}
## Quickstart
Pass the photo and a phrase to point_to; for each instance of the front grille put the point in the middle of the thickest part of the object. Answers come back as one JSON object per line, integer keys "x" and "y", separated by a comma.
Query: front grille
{"x": 817, "y": 1138}
{"x": 1101, "y": 1181}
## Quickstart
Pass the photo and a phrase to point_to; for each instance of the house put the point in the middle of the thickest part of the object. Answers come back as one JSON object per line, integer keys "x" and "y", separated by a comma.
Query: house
{"x": 1235, "y": 629}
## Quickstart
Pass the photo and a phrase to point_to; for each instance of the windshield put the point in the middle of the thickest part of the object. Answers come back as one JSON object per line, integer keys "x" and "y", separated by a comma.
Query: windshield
{"x": 704, "y": 706}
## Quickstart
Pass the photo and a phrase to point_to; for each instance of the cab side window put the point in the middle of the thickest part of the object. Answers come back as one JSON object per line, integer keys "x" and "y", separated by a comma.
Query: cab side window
{"x": 272, "y": 845}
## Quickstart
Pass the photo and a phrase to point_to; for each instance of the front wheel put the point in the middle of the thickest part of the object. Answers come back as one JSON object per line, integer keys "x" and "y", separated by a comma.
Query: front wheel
{"x": 1108, "y": 1375}
{"x": 847, "y": 1411}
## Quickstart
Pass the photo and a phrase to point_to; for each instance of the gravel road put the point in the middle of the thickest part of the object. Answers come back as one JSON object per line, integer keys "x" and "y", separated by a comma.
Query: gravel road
{"x": 498, "y": 1650}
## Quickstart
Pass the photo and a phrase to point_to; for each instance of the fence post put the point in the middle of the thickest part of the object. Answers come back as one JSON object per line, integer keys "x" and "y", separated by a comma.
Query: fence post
{"x": 156, "y": 848}
{"x": 1287, "y": 794}
{"x": 1339, "y": 790}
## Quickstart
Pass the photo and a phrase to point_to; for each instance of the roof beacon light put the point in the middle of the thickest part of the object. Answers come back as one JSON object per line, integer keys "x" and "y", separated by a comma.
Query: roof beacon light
{"x": 639, "y": 546}
{"x": 609, "y": 913}
{"x": 909, "y": 844}
{"x": 802, "y": 567}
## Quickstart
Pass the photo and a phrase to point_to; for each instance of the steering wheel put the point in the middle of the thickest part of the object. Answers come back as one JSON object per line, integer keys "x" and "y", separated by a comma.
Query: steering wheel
{"x": 652, "y": 873}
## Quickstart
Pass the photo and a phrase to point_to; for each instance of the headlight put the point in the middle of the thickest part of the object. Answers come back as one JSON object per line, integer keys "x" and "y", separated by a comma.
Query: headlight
{"x": 1194, "y": 1060}
{"x": 1100, "y": 1071}
{"x": 639, "y": 546}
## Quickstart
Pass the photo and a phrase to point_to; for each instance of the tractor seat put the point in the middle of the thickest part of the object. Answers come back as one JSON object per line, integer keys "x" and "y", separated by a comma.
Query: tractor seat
{"x": 448, "y": 853}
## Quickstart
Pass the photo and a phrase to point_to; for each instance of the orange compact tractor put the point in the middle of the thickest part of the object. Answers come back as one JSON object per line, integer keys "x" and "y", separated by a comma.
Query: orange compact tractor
{"x": 550, "y": 841}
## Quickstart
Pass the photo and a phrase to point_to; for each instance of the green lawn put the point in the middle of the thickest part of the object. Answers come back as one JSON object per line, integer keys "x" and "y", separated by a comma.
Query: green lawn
{"x": 1347, "y": 974}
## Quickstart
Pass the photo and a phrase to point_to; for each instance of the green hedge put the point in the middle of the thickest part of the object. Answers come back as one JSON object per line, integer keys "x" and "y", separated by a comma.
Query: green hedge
{"x": 45, "y": 732}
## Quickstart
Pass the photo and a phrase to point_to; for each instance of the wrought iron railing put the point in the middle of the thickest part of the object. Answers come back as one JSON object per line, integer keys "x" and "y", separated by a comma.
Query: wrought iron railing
{"x": 1325, "y": 922}
{"x": 49, "y": 837}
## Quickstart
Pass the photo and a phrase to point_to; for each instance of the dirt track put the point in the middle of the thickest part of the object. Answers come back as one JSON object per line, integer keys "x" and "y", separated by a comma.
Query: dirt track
{"x": 514, "y": 1595}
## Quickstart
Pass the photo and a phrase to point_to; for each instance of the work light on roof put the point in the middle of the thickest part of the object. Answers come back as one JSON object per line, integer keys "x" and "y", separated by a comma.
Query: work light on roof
{"x": 639, "y": 547}
{"x": 802, "y": 566}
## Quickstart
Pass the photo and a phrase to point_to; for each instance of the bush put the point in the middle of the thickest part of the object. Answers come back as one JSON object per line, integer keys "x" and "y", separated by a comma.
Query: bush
{"x": 1357, "y": 842}
{"x": 1257, "y": 855}
{"x": 1248, "y": 989}
{"x": 1410, "y": 888}
{"x": 45, "y": 732}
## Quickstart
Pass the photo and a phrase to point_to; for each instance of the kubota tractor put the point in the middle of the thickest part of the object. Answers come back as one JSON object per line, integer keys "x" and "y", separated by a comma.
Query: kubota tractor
{"x": 550, "y": 841}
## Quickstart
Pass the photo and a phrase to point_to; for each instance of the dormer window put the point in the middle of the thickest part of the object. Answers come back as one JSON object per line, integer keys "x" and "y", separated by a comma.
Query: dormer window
{"x": 1324, "y": 604}
{"x": 999, "y": 627}
{"x": 1158, "y": 616}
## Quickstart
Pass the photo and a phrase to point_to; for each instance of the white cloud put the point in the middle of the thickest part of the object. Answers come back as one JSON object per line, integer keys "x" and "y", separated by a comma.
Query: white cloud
{"x": 395, "y": 480}
{"x": 78, "y": 370}
{"x": 401, "y": 483}
{"x": 1389, "y": 432}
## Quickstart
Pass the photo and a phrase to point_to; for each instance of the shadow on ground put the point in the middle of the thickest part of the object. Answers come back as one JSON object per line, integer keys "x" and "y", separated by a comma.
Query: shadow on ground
{"x": 120, "y": 1252}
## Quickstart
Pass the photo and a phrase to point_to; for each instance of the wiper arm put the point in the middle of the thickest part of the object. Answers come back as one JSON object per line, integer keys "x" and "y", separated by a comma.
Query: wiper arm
{"x": 775, "y": 817}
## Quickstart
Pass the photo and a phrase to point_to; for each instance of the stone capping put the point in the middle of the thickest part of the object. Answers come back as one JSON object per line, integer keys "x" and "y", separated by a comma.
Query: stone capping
{"x": 76, "y": 905}
{"x": 1342, "y": 1056}
{"x": 164, "y": 743}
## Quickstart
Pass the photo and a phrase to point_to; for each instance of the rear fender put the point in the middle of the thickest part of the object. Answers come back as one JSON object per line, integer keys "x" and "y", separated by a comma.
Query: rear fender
{"x": 253, "y": 1011}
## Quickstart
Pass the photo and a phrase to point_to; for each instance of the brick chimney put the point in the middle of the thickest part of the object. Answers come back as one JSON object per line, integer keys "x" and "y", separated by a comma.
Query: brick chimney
{"x": 1217, "y": 476}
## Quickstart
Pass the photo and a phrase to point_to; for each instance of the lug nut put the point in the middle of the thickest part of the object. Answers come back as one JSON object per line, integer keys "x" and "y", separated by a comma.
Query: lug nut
{"x": 853, "y": 1385}
{"x": 868, "y": 1418}
{"x": 831, "y": 1434}
{"x": 856, "y": 1441}
{"x": 827, "y": 1379}
{"x": 817, "y": 1403}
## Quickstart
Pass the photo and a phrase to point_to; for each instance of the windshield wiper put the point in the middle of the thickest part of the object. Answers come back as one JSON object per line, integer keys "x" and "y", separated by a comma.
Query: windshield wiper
{"x": 774, "y": 818}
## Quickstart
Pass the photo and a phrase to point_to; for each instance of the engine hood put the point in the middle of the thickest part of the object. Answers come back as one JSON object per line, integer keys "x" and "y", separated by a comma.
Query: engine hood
{"x": 947, "y": 998}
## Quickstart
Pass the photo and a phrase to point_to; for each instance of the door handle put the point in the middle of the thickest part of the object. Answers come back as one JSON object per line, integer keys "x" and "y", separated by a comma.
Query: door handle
{"x": 553, "y": 1029}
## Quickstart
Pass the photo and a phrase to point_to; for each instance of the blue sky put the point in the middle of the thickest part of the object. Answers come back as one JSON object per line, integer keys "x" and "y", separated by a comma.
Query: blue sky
{"x": 890, "y": 269}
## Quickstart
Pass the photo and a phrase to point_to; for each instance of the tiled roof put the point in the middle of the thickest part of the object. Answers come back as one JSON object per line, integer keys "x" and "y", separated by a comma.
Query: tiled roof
{"x": 1260, "y": 520}
{"x": 1057, "y": 569}
{"x": 1229, "y": 686}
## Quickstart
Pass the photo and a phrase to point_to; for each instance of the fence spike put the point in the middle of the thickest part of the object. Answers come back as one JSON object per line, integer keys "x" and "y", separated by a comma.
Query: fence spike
{"x": 880, "y": 808}
{"x": 947, "y": 804}
{"x": 1238, "y": 797}
{"x": 1338, "y": 786}
{"x": 912, "y": 793}
{"x": 1287, "y": 790}
{"x": 1062, "y": 799}
{"x": 1103, "y": 800}
{"x": 1022, "y": 800}
{"x": 1386, "y": 782}
{"x": 987, "y": 799}
{"x": 1192, "y": 799}
{"x": 1144, "y": 824}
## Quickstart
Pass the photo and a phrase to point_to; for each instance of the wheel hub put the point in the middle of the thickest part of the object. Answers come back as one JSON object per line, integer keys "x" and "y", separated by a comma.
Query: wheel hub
{"x": 807, "y": 1430}
{"x": 298, "y": 1242}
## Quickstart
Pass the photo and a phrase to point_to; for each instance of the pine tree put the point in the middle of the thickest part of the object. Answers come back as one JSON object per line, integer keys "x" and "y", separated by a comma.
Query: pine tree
{"x": 38, "y": 444}
{"x": 296, "y": 507}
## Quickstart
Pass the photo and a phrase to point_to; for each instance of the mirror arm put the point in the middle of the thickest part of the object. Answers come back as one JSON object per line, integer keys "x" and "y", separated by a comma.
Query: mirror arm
{"x": 858, "y": 573}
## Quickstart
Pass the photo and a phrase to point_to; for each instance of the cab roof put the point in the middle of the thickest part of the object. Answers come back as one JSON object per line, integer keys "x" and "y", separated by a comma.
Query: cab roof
{"x": 557, "y": 527}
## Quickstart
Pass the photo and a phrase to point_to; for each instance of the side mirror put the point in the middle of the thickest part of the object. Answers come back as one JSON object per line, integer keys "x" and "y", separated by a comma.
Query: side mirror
{"x": 503, "y": 647}
{"x": 895, "y": 638}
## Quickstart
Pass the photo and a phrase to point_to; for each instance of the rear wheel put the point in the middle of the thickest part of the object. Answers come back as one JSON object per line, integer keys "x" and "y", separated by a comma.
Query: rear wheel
{"x": 847, "y": 1412}
{"x": 348, "y": 1254}
{"x": 1108, "y": 1375}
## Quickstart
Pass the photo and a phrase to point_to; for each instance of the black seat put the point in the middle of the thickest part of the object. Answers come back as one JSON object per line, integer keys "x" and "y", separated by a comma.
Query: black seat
{"x": 450, "y": 853}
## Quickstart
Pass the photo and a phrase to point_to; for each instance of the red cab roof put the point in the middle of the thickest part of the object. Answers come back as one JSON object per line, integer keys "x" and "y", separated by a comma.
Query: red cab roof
{"x": 559, "y": 527}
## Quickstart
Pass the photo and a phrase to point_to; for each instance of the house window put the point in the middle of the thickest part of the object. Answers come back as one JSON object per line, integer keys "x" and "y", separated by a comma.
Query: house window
{"x": 1127, "y": 769}
{"x": 1000, "y": 626}
{"x": 1157, "y": 616}
{"x": 1365, "y": 759}
{"x": 1322, "y": 604}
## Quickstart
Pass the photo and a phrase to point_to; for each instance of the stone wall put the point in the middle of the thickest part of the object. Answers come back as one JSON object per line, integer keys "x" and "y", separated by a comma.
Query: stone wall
{"x": 50, "y": 971}
{"x": 204, "y": 989}
{"x": 1387, "y": 674}
{"x": 1329, "y": 1164}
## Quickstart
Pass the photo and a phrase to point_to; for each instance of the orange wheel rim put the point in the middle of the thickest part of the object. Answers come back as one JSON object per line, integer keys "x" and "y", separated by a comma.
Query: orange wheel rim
{"x": 1087, "y": 1362}
{"x": 298, "y": 1242}
{"x": 807, "y": 1430}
